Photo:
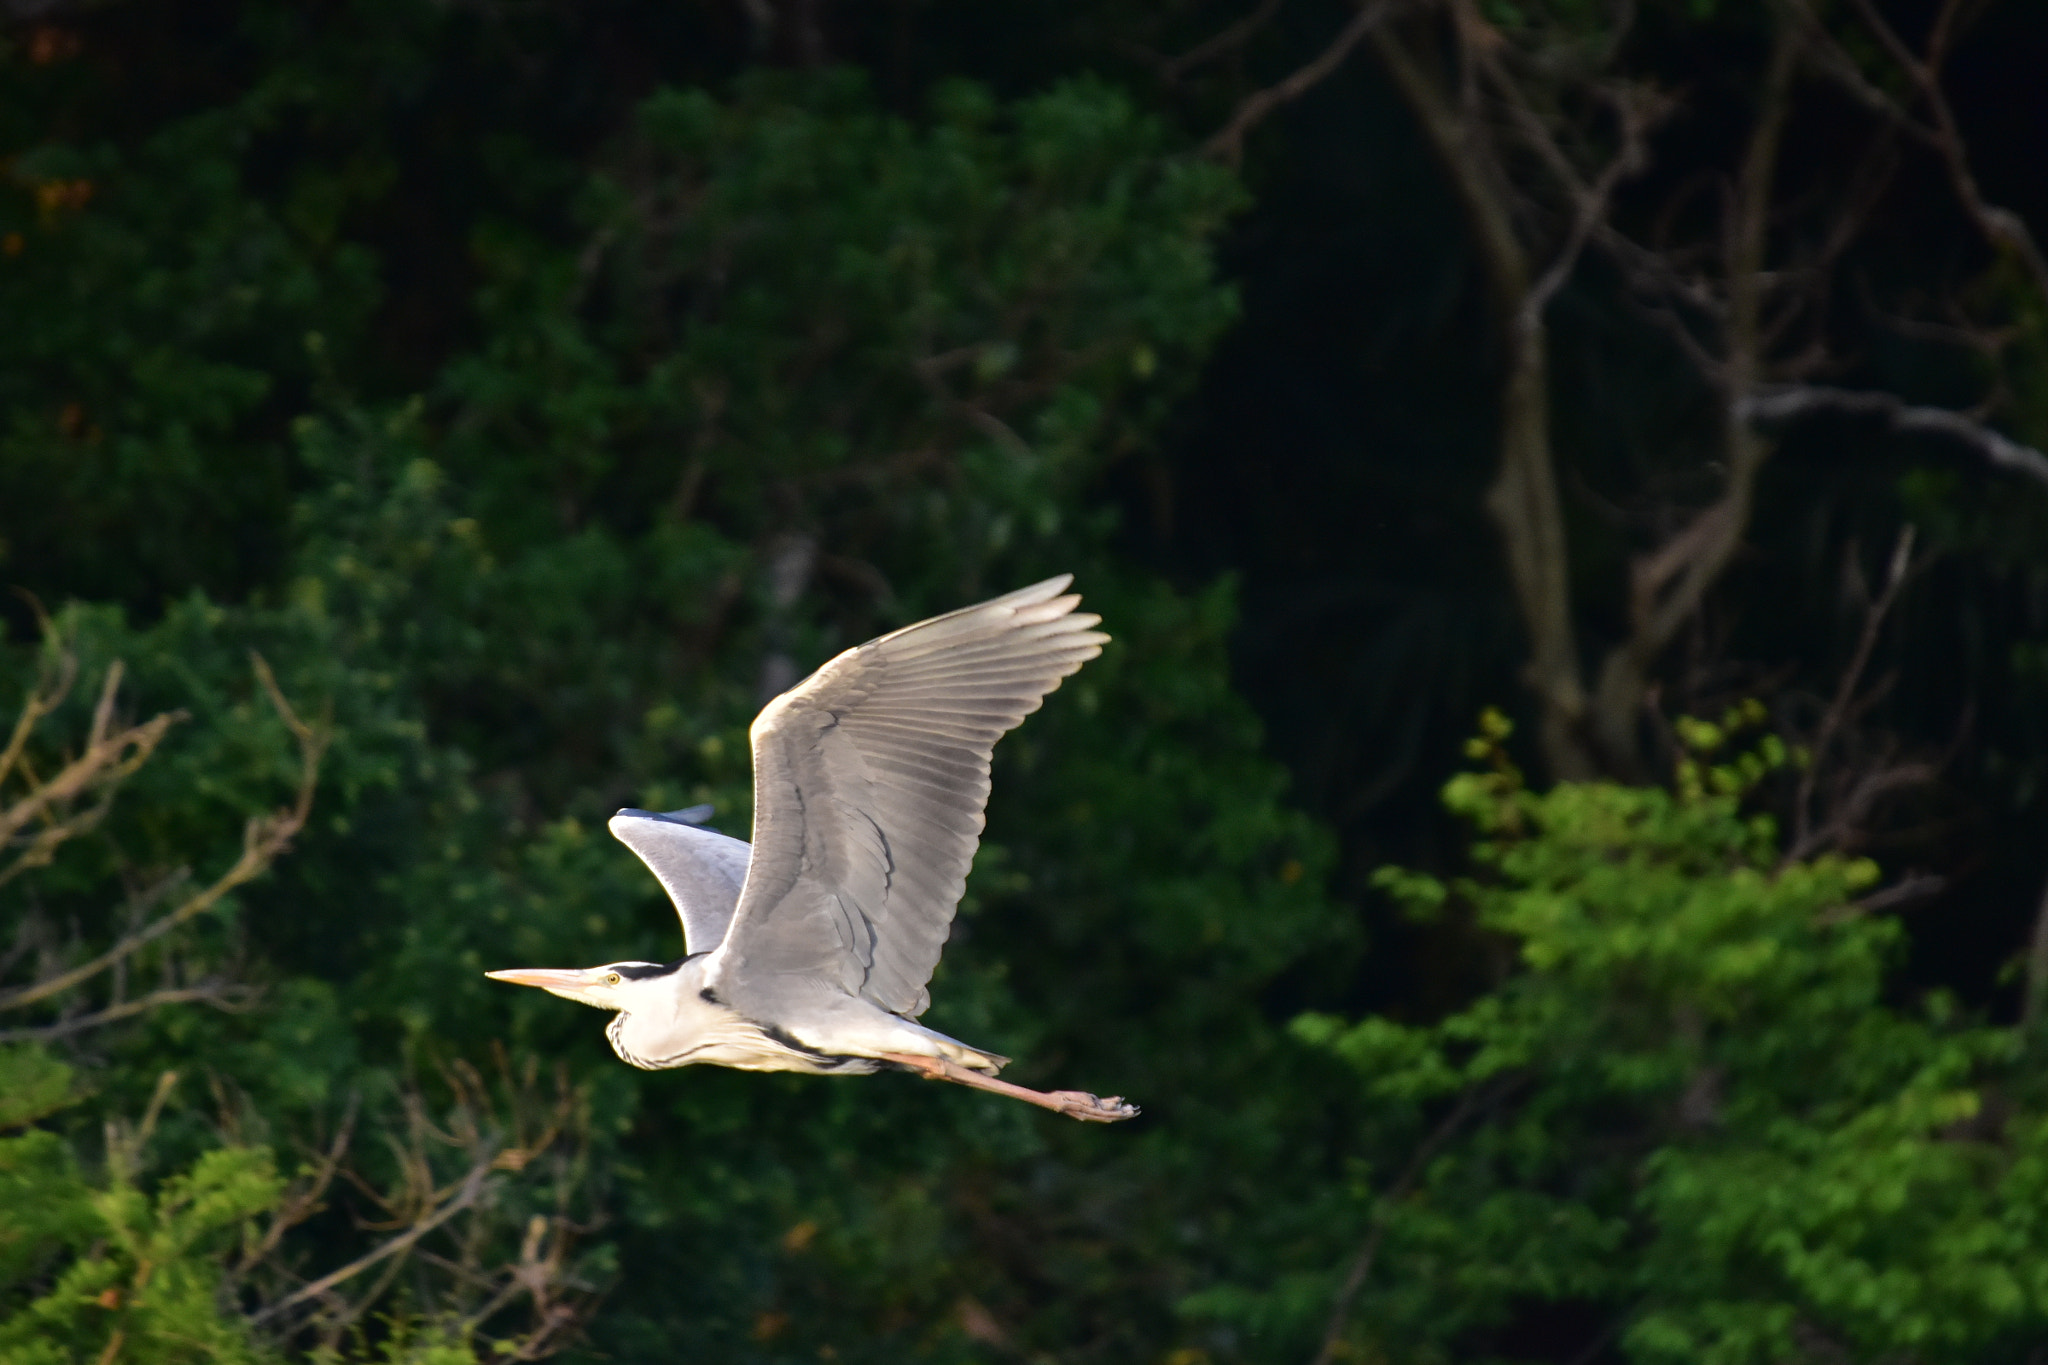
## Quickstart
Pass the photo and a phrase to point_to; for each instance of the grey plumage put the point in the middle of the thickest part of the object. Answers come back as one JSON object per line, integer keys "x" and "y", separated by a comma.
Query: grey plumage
{"x": 701, "y": 869}
{"x": 812, "y": 949}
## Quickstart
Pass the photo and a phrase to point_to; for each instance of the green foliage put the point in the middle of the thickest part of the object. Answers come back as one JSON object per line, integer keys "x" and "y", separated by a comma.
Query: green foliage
{"x": 158, "y": 305}
{"x": 170, "y": 1239}
{"x": 92, "y": 1269}
{"x": 755, "y": 370}
{"x": 898, "y": 351}
{"x": 1692, "y": 1108}
{"x": 144, "y": 1273}
{"x": 810, "y": 371}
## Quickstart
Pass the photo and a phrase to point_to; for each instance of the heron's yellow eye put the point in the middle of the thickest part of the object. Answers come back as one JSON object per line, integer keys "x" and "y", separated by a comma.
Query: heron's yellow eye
{"x": 611, "y": 978}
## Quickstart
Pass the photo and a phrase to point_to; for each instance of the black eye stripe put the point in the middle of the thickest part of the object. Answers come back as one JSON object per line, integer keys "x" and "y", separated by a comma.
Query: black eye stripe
{"x": 640, "y": 971}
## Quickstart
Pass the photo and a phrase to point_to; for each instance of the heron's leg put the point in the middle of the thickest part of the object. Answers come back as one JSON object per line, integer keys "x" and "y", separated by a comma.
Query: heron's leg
{"x": 1073, "y": 1103}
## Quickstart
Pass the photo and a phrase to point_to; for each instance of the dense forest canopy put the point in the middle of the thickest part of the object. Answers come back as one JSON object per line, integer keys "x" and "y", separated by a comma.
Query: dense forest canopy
{"x": 1557, "y": 842}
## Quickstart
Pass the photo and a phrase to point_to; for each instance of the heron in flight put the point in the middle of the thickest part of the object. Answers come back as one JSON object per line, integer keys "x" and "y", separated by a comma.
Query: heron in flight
{"x": 810, "y": 950}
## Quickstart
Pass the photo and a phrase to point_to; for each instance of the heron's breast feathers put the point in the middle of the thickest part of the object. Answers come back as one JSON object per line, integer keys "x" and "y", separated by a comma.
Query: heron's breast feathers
{"x": 713, "y": 1035}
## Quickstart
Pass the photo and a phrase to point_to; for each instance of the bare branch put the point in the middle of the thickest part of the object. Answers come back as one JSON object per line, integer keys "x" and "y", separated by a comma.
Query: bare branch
{"x": 1361, "y": 1264}
{"x": 1591, "y": 202}
{"x": 264, "y": 838}
{"x": 41, "y": 847}
{"x": 2001, "y": 226}
{"x": 1228, "y": 143}
{"x": 110, "y": 759}
{"x": 1523, "y": 499}
{"x": 1914, "y": 888}
{"x": 220, "y": 994}
{"x": 2037, "y": 969}
{"x": 124, "y": 1148}
{"x": 471, "y": 1188}
{"x": 1808, "y": 841}
{"x": 1668, "y": 586}
{"x": 1784, "y": 403}
{"x": 931, "y": 371}
{"x": 301, "y": 1203}
{"x": 473, "y": 1279}
{"x": 1854, "y": 810}
{"x": 43, "y": 698}
{"x": 98, "y": 772}
{"x": 1219, "y": 44}
{"x": 1827, "y": 54}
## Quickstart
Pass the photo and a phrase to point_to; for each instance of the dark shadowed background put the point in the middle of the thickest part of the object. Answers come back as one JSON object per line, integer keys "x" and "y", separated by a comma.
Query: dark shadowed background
{"x": 1557, "y": 845}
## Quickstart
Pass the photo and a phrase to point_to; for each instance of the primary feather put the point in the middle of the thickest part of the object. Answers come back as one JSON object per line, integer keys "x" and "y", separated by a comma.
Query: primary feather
{"x": 870, "y": 779}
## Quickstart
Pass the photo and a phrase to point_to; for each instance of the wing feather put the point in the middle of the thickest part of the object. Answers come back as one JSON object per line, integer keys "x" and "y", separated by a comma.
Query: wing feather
{"x": 701, "y": 869}
{"x": 870, "y": 780}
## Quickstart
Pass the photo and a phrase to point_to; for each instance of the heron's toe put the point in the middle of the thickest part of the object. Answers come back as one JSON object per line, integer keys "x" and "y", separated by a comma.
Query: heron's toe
{"x": 1093, "y": 1108}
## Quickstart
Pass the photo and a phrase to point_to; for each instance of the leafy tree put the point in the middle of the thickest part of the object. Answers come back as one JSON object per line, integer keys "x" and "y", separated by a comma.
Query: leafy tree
{"x": 1695, "y": 1117}
{"x": 812, "y": 371}
{"x": 536, "y": 389}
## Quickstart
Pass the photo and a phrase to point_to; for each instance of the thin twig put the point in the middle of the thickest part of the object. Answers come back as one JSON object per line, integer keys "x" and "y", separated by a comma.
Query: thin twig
{"x": 1591, "y": 205}
{"x": 124, "y": 1151}
{"x": 930, "y": 370}
{"x": 2037, "y": 969}
{"x": 220, "y": 994}
{"x": 2000, "y": 225}
{"x": 1228, "y": 144}
{"x": 264, "y": 838}
{"x": 1805, "y": 842}
{"x": 467, "y": 1195}
{"x": 42, "y": 698}
{"x": 1229, "y": 39}
{"x": 299, "y": 1205}
{"x": 112, "y": 758}
{"x": 1361, "y": 1264}
{"x": 1854, "y": 809}
{"x": 1917, "y": 887}
{"x": 1833, "y": 60}
{"x": 1779, "y": 404}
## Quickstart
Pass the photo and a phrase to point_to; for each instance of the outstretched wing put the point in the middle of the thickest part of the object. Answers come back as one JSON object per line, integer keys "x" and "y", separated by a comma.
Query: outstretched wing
{"x": 701, "y": 869}
{"x": 869, "y": 781}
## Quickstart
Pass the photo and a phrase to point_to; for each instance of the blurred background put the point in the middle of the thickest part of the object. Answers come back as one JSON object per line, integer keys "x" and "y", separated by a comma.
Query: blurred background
{"x": 1557, "y": 845}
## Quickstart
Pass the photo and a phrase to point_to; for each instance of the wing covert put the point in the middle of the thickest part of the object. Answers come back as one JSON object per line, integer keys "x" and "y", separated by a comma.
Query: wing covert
{"x": 870, "y": 779}
{"x": 701, "y": 869}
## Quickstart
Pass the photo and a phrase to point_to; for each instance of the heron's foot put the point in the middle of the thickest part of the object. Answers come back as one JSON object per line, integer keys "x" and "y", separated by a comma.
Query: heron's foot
{"x": 1079, "y": 1104}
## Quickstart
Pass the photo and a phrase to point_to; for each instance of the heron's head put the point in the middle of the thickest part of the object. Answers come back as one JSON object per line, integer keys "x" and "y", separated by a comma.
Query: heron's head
{"x": 613, "y": 987}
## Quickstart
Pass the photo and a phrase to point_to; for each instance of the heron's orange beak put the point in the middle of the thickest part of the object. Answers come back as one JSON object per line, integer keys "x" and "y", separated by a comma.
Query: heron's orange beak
{"x": 568, "y": 982}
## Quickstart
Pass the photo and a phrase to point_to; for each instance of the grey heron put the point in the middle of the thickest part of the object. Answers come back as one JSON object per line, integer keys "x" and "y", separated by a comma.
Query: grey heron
{"x": 810, "y": 950}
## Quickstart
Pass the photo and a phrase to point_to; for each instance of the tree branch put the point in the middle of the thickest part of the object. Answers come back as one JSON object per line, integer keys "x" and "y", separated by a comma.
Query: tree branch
{"x": 223, "y": 994}
{"x": 1590, "y": 207}
{"x": 42, "y": 699}
{"x": 264, "y": 837}
{"x": 107, "y": 759}
{"x": 1807, "y": 841}
{"x": 1523, "y": 500}
{"x": 472, "y": 1187}
{"x": 1779, "y": 404}
{"x": 1232, "y": 37}
{"x": 2037, "y": 969}
{"x": 1667, "y": 587}
{"x": 1228, "y": 143}
{"x": 1487, "y": 210}
{"x": 1361, "y": 1264}
{"x": 299, "y": 1204}
{"x": 2000, "y": 225}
